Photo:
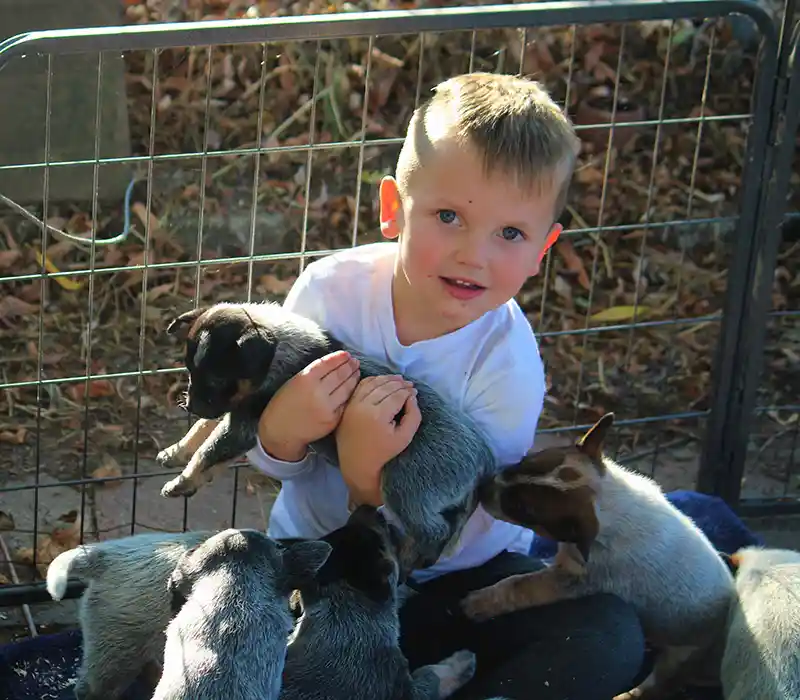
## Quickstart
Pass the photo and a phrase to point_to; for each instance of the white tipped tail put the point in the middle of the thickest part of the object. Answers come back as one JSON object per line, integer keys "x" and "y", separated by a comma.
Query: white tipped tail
{"x": 73, "y": 561}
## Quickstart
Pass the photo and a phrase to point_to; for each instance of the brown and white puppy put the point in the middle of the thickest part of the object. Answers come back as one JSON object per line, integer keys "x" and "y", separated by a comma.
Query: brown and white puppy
{"x": 239, "y": 355}
{"x": 762, "y": 650}
{"x": 617, "y": 534}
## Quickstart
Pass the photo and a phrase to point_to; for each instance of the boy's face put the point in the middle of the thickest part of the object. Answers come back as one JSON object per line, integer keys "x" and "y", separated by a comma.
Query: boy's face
{"x": 468, "y": 241}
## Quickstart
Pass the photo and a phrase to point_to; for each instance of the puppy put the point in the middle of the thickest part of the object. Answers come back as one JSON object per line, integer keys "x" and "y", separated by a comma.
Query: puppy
{"x": 231, "y": 598}
{"x": 124, "y": 609}
{"x": 762, "y": 653}
{"x": 239, "y": 355}
{"x": 617, "y": 534}
{"x": 345, "y": 645}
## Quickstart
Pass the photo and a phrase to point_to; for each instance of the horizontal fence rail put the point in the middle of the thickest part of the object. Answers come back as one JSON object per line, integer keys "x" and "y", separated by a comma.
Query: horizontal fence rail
{"x": 751, "y": 239}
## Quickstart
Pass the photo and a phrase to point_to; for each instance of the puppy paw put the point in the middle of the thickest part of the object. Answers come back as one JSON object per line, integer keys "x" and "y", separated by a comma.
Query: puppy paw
{"x": 633, "y": 694}
{"x": 481, "y": 605}
{"x": 455, "y": 671}
{"x": 179, "y": 486}
{"x": 169, "y": 457}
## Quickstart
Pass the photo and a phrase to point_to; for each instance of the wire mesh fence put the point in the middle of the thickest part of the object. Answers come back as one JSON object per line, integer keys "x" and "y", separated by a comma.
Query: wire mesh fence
{"x": 257, "y": 146}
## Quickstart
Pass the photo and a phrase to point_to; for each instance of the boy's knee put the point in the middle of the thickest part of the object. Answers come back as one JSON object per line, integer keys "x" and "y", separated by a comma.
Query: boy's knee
{"x": 612, "y": 633}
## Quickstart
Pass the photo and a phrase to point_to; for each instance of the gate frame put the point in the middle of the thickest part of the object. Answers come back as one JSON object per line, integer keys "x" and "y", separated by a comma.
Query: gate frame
{"x": 738, "y": 372}
{"x": 723, "y": 441}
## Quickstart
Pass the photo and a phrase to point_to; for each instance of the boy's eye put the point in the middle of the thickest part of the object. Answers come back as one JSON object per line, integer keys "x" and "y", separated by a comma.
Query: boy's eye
{"x": 510, "y": 233}
{"x": 446, "y": 216}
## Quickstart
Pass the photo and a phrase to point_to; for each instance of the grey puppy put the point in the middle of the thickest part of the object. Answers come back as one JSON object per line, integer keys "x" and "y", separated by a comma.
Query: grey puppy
{"x": 239, "y": 355}
{"x": 762, "y": 652}
{"x": 227, "y": 640}
{"x": 125, "y": 608}
{"x": 345, "y": 645}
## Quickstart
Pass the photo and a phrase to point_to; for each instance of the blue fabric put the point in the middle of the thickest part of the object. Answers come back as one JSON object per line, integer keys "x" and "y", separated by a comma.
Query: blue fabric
{"x": 43, "y": 668}
{"x": 711, "y": 514}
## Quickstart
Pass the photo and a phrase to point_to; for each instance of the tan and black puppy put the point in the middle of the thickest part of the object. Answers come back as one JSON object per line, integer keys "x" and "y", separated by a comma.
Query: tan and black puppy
{"x": 239, "y": 355}
{"x": 345, "y": 645}
{"x": 617, "y": 534}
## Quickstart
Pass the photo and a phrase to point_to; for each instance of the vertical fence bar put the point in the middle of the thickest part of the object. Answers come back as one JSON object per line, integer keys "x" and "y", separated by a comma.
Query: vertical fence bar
{"x": 765, "y": 245}
{"x": 725, "y": 443}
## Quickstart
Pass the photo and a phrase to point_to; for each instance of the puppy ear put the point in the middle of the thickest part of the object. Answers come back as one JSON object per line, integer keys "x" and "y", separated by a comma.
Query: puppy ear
{"x": 256, "y": 351}
{"x": 179, "y": 583}
{"x": 373, "y": 579}
{"x": 303, "y": 560}
{"x": 180, "y": 325}
{"x": 178, "y": 588}
{"x": 591, "y": 443}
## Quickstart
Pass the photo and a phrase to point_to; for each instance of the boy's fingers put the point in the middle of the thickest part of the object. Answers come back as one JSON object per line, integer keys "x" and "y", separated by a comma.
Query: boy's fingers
{"x": 411, "y": 419}
{"x": 391, "y": 405}
{"x": 344, "y": 391}
{"x": 375, "y": 387}
{"x": 382, "y": 392}
{"x": 325, "y": 365}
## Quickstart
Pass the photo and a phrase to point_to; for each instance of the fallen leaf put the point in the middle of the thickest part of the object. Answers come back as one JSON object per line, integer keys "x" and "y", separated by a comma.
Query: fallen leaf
{"x": 275, "y": 285}
{"x": 620, "y": 313}
{"x": 6, "y": 521}
{"x": 572, "y": 261}
{"x": 10, "y": 306}
{"x": 23, "y": 555}
{"x": 16, "y": 437}
{"x": 8, "y": 258}
{"x": 50, "y": 266}
{"x": 109, "y": 469}
{"x": 97, "y": 389}
{"x": 562, "y": 287}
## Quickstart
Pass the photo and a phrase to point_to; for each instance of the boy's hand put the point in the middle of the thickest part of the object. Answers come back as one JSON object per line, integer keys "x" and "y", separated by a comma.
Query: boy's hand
{"x": 308, "y": 407}
{"x": 368, "y": 437}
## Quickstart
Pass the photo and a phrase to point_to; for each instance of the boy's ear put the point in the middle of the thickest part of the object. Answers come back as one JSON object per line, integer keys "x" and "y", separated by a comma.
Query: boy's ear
{"x": 551, "y": 239}
{"x": 549, "y": 242}
{"x": 391, "y": 212}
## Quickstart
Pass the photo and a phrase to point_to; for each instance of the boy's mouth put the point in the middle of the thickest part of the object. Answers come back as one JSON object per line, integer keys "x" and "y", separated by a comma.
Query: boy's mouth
{"x": 462, "y": 289}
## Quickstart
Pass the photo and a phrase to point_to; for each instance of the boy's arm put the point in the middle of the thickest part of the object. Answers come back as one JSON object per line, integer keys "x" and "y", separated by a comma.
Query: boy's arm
{"x": 304, "y": 300}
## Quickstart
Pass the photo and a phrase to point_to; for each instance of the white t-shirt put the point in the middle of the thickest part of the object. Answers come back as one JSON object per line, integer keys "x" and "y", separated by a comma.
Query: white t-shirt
{"x": 491, "y": 369}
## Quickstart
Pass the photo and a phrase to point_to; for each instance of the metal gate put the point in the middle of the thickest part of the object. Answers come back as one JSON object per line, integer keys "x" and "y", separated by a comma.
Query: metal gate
{"x": 71, "y": 381}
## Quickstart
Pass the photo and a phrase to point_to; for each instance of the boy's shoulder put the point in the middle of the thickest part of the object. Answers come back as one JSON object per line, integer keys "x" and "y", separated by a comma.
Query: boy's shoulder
{"x": 510, "y": 340}
{"x": 360, "y": 262}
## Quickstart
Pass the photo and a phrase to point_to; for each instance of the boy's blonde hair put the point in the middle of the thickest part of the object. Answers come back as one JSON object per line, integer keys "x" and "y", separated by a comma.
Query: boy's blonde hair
{"x": 513, "y": 122}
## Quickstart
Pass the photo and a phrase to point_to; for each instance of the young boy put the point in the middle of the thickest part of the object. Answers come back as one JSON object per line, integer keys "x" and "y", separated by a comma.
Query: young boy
{"x": 480, "y": 183}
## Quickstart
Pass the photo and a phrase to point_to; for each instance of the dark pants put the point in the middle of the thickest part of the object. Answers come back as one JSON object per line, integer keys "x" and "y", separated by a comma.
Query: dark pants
{"x": 584, "y": 649}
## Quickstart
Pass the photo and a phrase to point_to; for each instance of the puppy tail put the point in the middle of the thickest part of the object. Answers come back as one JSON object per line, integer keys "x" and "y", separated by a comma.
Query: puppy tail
{"x": 74, "y": 562}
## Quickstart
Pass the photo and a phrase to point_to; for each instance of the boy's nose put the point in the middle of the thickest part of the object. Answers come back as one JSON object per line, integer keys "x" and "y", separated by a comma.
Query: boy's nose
{"x": 471, "y": 251}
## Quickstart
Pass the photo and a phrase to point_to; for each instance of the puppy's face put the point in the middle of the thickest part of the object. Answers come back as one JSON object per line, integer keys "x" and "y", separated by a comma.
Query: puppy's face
{"x": 553, "y": 491}
{"x": 364, "y": 555}
{"x": 227, "y": 354}
{"x": 243, "y": 555}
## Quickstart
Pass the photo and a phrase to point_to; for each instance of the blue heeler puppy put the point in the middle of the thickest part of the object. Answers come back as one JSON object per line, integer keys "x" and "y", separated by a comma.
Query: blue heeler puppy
{"x": 345, "y": 645}
{"x": 239, "y": 355}
{"x": 125, "y": 608}
{"x": 227, "y": 640}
